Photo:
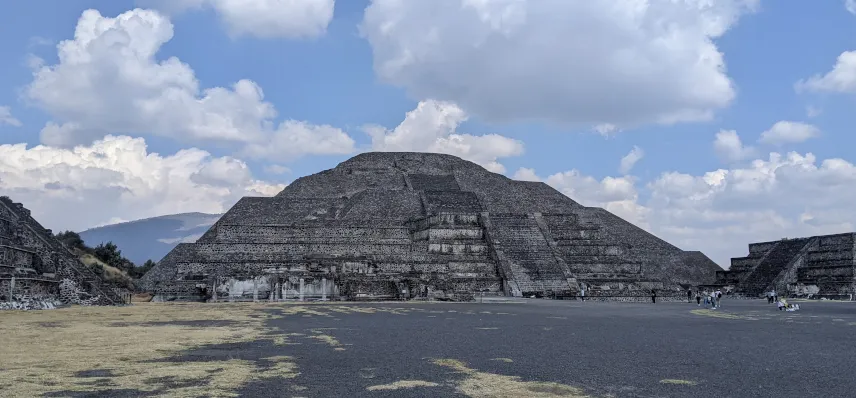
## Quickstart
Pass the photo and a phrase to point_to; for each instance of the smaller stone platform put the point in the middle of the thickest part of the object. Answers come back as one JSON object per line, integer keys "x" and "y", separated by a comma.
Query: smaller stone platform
{"x": 812, "y": 267}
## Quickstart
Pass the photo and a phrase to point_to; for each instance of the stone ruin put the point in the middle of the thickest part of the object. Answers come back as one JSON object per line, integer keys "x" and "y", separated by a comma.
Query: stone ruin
{"x": 37, "y": 271}
{"x": 813, "y": 267}
{"x": 422, "y": 226}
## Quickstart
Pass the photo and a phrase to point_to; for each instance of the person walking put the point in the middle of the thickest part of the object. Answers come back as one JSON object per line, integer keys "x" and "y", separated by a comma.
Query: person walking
{"x": 698, "y": 298}
{"x": 713, "y": 300}
{"x": 653, "y": 296}
{"x": 689, "y": 296}
{"x": 718, "y": 298}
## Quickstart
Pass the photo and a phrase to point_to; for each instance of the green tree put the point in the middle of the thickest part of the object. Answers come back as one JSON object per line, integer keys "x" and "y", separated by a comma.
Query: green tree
{"x": 110, "y": 254}
{"x": 71, "y": 240}
{"x": 138, "y": 272}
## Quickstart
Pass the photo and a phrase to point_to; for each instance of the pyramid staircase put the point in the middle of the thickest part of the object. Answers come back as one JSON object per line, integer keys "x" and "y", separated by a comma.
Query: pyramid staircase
{"x": 529, "y": 256}
{"x": 762, "y": 276}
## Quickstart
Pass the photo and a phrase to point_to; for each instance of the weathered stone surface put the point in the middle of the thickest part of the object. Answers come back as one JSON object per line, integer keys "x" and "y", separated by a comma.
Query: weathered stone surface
{"x": 813, "y": 267}
{"x": 416, "y": 225}
{"x": 37, "y": 271}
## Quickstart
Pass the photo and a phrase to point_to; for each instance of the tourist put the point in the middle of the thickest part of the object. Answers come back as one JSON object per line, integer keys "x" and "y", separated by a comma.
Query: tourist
{"x": 653, "y": 296}
{"x": 713, "y": 300}
{"x": 718, "y": 298}
{"x": 698, "y": 298}
{"x": 689, "y": 296}
{"x": 770, "y": 297}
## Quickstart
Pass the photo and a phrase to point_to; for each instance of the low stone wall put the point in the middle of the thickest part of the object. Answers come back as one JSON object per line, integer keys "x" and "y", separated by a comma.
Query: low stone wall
{"x": 28, "y": 294}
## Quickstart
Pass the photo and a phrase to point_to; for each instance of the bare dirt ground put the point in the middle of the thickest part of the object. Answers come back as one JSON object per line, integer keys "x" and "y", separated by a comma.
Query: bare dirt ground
{"x": 539, "y": 348}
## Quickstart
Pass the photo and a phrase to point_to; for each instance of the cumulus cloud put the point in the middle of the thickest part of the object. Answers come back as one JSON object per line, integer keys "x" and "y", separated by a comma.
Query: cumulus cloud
{"x": 260, "y": 18}
{"x": 784, "y": 132}
{"x": 432, "y": 127}
{"x": 108, "y": 80}
{"x": 841, "y": 79}
{"x": 616, "y": 63}
{"x": 7, "y": 118}
{"x": 117, "y": 176}
{"x": 850, "y": 6}
{"x": 526, "y": 174}
{"x": 730, "y": 148}
{"x": 720, "y": 211}
{"x": 628, "y": 161}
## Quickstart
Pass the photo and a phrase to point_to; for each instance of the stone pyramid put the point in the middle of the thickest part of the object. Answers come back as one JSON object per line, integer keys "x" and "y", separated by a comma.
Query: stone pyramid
{"x": 37, "y": 271}
{"x": 385, "y": 225}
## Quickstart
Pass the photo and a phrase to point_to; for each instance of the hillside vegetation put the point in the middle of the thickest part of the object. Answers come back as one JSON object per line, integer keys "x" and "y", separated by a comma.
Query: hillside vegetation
{"x": 105, "y": 260}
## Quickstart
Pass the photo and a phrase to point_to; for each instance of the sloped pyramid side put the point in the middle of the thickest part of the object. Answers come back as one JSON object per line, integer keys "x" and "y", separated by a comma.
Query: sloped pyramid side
{"x": 77, "y": 283}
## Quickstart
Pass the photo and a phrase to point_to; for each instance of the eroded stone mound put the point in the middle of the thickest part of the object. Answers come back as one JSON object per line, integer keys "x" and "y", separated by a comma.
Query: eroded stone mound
{"x": 417, "y": 225}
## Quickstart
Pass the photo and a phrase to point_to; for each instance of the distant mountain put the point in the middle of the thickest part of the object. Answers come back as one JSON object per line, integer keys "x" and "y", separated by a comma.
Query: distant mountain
{"x": 151, "y": 238}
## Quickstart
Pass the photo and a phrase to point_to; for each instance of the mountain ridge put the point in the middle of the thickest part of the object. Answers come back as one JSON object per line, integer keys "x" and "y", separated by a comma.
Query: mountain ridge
{"x": 153, "y": 237}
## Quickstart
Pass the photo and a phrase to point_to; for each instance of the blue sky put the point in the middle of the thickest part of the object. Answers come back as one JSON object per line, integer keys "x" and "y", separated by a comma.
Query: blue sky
{"x": 333, "y": 78}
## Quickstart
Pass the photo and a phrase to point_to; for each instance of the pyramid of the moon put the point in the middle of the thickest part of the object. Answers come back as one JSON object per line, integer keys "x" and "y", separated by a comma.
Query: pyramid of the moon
{"x": 420, "y": 225}
{"x": 37, "y": 271}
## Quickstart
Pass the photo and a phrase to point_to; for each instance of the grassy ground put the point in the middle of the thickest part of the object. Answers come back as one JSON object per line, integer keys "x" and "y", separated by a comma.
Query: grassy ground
{"x": 129, "y": 348}
{"x": 542, "y": 348}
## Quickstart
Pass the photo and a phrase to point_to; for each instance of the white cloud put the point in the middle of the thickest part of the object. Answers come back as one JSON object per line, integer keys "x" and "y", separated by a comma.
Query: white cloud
{"x": 789, "y": 132}
{"x": 730, "y": 148}
{"x": 261, "y": 18}
{"x": 616, "y": 194}
{"x": 606, "y": 129}
{"x": 850, "y": 5}
{"x": 432, "y": 127}
{"x": 7, "y": 118}
{"x": 526, "y": 174}
{"x": 117, "y": 177}
{"x": 812, "y": 111}
{"x": 628, "y": 161}
{"x": 590, "y": 62}
{"x": 721, "y": 211}
{"x": 108, "y": 80}
{"x": 841, "y": 79}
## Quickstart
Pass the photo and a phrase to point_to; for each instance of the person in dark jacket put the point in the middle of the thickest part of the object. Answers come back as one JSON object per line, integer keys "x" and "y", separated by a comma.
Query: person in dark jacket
{"x": 653, "y": 296}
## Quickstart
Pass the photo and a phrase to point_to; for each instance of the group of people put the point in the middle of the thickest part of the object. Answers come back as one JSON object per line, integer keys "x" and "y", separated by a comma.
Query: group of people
{"x": 781, "y": 303}
{"x": 713, "y": 298}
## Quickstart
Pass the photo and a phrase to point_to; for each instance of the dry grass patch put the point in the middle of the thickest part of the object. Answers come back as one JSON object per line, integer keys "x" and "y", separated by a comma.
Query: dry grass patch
{"x": 133, "y": 348}
{"x": 678, "y": 382}
{"x": 507, "y": 360}
{"x": 402, "y": 384}
{"x": 483, "y": 384}
{"x": 719, "y": 314}
{"x": 326, "y": 338}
